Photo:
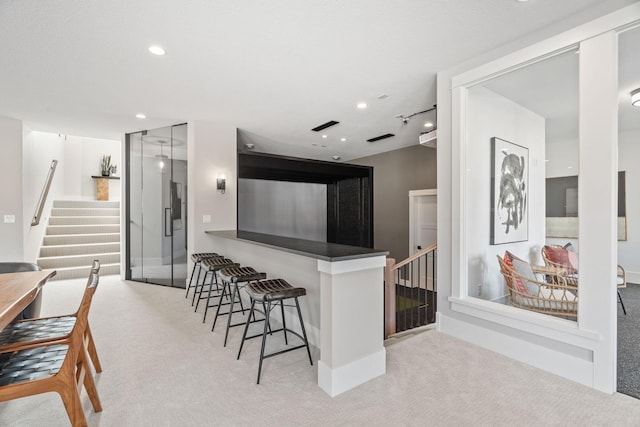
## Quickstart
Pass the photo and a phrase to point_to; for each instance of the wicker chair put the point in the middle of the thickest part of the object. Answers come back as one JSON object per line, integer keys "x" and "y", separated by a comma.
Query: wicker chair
{"x": 554, "y": 297}
{"x": 560, "y": 257}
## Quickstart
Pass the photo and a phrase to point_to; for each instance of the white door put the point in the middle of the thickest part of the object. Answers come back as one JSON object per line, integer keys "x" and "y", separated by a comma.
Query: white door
{"x": 423, "y": 219}
{"x": 423, "y": 227}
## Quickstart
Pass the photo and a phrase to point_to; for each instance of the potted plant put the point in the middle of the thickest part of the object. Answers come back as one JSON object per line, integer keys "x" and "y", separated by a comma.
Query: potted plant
{"x": 106, "y": 168}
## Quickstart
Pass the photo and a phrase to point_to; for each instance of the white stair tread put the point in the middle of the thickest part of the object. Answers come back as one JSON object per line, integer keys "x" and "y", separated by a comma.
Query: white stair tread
{"x": 52, "y": 258}
{"x": 77, "y": 245}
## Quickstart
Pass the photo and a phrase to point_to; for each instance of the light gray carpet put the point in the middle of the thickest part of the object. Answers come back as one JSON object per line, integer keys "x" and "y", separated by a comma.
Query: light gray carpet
{"x": 629, "y": 342}
{"x": 163, "y": 367}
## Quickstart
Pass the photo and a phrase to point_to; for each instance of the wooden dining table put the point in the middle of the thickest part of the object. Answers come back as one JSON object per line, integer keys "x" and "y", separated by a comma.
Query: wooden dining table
{"x": 18, "y": 290}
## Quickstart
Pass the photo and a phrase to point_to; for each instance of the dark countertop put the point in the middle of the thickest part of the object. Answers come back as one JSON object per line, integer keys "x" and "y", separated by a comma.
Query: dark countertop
{"x": 310, "y": 248}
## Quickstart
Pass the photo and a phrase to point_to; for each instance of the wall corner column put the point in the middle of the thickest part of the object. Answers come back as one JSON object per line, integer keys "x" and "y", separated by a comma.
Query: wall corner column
{"x": 352, "y": 323}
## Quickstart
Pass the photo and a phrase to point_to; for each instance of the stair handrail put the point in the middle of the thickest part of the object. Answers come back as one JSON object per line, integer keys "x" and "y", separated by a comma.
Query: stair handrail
{"x": 415, "y": 256}
{"x": 390, "y": 289}
{"x": 44, "y": 194}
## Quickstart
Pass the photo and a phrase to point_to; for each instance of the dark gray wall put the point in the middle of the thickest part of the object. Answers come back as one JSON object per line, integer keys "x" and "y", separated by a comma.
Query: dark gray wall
{"x": 395, "y": 173}
{"x": 556, "y": 189}
{"x": 291, "y": 209}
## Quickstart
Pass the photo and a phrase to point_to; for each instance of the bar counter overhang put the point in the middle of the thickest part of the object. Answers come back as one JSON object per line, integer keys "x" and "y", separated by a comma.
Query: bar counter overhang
{"x": 344, "y": 306}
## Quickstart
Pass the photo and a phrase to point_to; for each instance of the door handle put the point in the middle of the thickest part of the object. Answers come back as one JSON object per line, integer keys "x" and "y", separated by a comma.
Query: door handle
{"x": 168, "y": 223}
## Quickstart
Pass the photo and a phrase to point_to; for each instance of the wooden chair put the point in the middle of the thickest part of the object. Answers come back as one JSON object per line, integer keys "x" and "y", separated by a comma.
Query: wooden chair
{"x": 54, "y": 366}
{"x": 45, "y": 329}
{"x": 554, "y": 297}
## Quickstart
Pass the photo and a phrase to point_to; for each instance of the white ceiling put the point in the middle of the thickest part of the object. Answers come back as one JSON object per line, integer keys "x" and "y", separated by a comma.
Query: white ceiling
{"x": 550, "y": 89}
{"x": 274, "y": 69}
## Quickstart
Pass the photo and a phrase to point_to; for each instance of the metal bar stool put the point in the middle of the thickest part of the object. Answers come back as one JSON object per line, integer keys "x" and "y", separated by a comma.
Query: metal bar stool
{"x": 212, "y": 266}
{"x": 233, "y": 279}
{"x": 197, "y": 263}
{"x": 273, "y": 292}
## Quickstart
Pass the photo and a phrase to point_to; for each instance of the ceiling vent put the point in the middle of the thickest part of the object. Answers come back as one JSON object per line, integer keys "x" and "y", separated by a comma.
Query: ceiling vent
{"x": 325, "y": 125}
{"x": 429, "y": 139}
{"x": 378, "y": 138}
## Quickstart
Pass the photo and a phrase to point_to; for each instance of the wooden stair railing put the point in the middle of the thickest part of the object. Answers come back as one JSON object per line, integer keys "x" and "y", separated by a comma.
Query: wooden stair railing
{"x": 392, "y": 278}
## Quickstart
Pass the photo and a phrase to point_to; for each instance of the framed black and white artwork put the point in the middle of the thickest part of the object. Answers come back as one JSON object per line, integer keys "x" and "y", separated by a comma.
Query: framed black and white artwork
{"x": 509, "y": 192}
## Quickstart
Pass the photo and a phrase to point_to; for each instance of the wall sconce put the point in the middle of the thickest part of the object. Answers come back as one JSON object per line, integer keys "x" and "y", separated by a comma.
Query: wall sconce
{"x": 221, "y": 184}
{"x": 635, "y": 98}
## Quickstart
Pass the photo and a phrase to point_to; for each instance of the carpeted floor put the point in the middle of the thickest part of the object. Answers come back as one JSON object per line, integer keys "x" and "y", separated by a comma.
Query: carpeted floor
{"x": 164, "y": 367}
{"x": 629, "y": 342}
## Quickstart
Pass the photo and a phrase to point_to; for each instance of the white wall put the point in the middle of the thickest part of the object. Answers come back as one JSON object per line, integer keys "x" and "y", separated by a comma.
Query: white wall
{"x": 11, "y": 246}
{"x": 563, "y": 158}
{"x": 628, "y": 160}
{"x": 584, "y": 351}
{"x": 39, "y": 149}
{"x": 82, "y": 157}
{"x": 212, "y": 152}
{"x": 565, "y": 153}
{"x": 492, "y": 115}
{"x": 78, "y": 159}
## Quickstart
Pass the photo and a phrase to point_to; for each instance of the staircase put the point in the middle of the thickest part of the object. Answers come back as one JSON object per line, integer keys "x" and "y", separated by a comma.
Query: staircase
{"x": 78, "y": 232}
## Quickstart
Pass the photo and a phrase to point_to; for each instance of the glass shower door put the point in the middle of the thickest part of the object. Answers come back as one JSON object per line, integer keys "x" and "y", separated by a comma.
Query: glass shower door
{"x": 157, "y": 206}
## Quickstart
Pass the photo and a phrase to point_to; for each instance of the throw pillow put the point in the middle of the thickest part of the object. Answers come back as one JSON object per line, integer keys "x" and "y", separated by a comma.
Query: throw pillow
{"x": 508, "y": 259}
{"x": 524, "y": 269}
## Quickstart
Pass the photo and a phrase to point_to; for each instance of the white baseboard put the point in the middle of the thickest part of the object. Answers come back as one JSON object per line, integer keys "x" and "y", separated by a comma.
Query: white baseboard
{"x": 346, "y": 377}
{"x": 633, "y": 277}
{"x": 562, "y": 364}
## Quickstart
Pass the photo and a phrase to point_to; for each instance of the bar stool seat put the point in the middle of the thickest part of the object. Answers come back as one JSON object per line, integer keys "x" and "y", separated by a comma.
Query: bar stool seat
{"x": 274, "y": 292}
{"x": 197, "y": 258}
{"x": 212, "y": 266}
{"x": 234, "y": 277}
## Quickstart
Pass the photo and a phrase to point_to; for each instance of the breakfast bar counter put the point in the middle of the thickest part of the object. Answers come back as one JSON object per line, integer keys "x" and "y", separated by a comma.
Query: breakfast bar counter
{"x": 344, "y": 306}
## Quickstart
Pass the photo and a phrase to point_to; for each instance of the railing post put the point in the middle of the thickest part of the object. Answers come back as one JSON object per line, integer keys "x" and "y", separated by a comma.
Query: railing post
{"x": 389, "y": 299}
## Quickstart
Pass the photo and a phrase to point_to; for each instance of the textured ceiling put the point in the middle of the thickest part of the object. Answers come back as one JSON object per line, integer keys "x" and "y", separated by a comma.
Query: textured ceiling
{"x": 274, "y": 69}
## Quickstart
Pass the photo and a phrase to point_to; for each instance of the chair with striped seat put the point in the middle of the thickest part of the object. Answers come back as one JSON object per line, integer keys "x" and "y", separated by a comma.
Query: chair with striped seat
{"x": 211, "y": 267}
{"x": 54, "y": 366}
{"x": 274, "y": 292}
{"x": 233, "y": 279}
{"x": 197, "y": 265}
{"x": 33, "y": 331}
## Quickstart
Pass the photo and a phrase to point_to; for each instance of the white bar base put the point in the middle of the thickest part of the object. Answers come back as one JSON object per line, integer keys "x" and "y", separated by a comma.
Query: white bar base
{"x": 339, "y": 380}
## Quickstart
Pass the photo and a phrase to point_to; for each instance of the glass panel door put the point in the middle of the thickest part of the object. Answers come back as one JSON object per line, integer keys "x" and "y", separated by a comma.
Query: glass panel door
{"x": 157, "y": 206}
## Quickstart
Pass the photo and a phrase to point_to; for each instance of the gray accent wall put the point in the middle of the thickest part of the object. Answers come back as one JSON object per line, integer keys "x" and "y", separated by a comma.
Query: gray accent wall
{"x": 291, "y": 209}
{"x": 395, "y": 173}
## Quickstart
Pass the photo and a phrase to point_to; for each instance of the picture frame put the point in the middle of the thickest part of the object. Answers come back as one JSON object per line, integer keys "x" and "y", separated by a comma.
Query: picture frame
{"x": 509, "y": 192}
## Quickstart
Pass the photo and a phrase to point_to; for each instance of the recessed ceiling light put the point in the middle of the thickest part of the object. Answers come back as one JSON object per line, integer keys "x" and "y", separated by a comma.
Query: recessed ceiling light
{"x": 157, "y": 50}
{"x": 362, "y": 105}
{"x": 249, "y": 146}
{"x": 343, "y": 139}
{"x": 141, "y": 116}
{"x": 428, "y": 125}
{"x": 324, "y": 136}
{"x": 635, "y": 98}
{"x": 335, "y": 157}
{"x": 522, "y": 1}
